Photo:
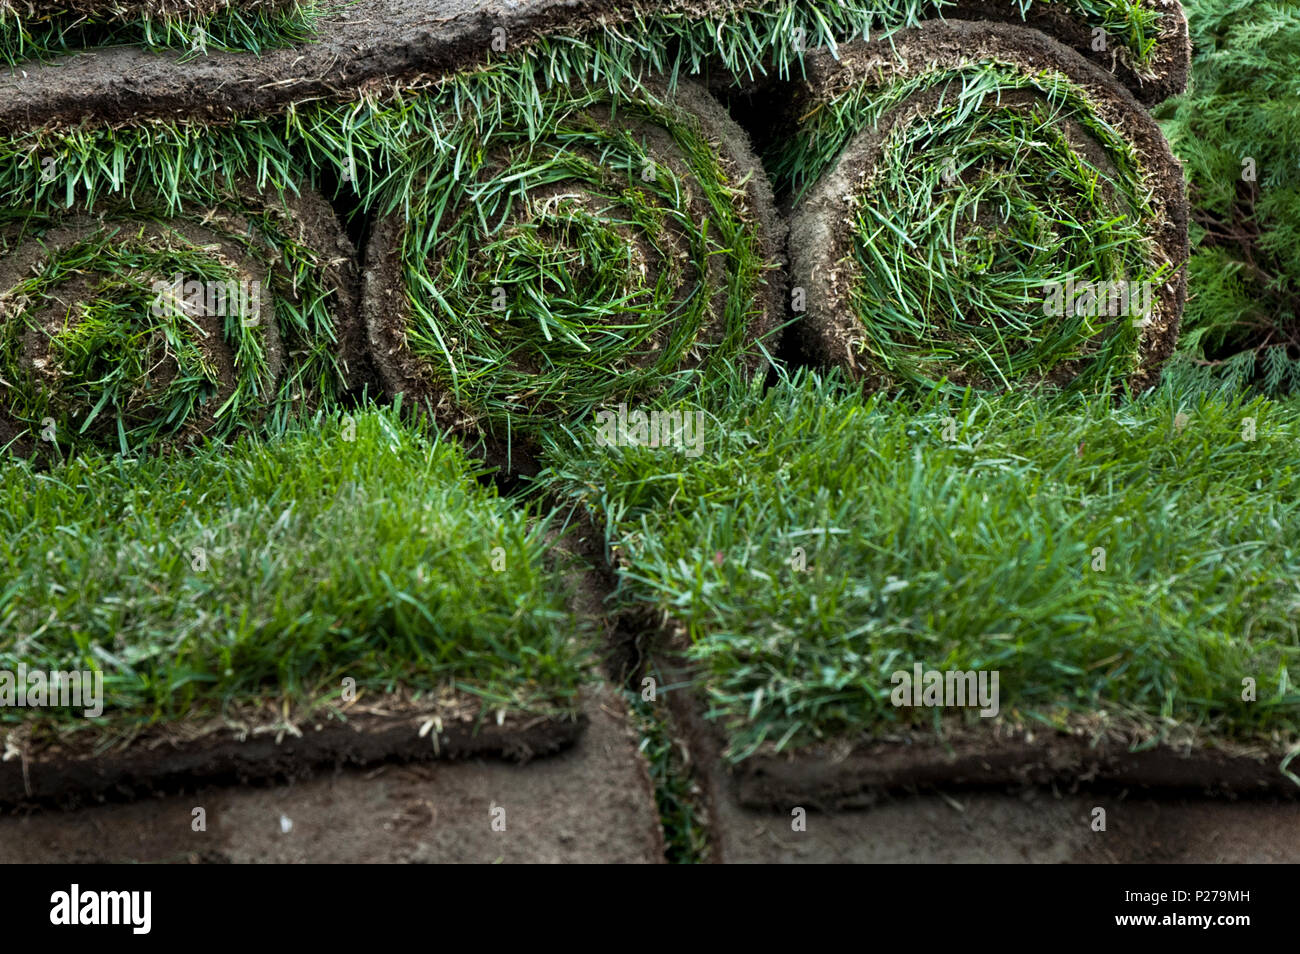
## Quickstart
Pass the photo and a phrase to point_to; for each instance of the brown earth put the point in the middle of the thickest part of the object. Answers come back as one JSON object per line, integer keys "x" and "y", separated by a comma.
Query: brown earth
{"x": 1034, "y": 825}
{"x": 591, "y": 804}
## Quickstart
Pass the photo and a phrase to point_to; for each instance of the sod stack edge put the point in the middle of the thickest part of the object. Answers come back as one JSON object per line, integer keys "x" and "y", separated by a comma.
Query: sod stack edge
{"x": 344, "y": 594}
{"x": 948, "y": 179}
{"x": 592, "y": 250}
{"x": 373, "y": 42}
{"x": 39, "y": 29}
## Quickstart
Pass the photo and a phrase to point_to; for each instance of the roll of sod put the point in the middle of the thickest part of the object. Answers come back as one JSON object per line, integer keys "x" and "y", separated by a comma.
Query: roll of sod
{"x": 1144, "y": 43}
{"x": 37, "y": 28}
{"x": 128, "y": 331}
{"x": 569, "y": 253}
{"x": 982, "y": 207}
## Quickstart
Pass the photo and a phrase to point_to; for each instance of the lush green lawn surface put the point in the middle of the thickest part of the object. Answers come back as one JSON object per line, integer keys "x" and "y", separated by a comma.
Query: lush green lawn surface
{"x": 981, "y": 551}
{"x": 274, "y": 571}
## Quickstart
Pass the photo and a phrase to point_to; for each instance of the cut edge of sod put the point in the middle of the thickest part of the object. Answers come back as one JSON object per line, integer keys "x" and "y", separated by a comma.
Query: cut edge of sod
{"x": 47, "y": 28}
{"x": 268, "y": 743}
{"x": 281, "y": 669}
{"x": 837, "y": 153}
{"x": 743, "y": 39}
{"x": 475, "y": 333}
{"x": 1166, "y": 727}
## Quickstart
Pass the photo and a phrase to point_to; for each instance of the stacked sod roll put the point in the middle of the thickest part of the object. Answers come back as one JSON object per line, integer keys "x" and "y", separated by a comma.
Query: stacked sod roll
{"x": 38, "y": 28}
{"x": 151, "y": 318}
{"x": 980, "y": 206}
{"x": 565, "y": 248}
{"x": 580, "y": 224}
{"x": 1143, "y": 43}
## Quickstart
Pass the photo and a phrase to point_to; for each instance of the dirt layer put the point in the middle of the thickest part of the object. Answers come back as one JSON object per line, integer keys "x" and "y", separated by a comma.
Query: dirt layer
{"x": 977, "y": 798}
{"x": 78, "y": 770}
{"x": 373, "y": 42}
{"x": 592, "y": 804}
{"x": 1032, "y": 825}
{"x": 833, "y": 780}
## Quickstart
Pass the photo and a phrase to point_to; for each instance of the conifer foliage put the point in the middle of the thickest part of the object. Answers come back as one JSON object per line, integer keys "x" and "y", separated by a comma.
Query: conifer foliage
{"x": 1236, "y": 130}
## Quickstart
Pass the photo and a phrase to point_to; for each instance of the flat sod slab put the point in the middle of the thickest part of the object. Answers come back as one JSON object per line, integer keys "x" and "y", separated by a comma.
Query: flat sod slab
{"x": 591, "y": 804}
{"x": 1031, "y": 826}
{"x": 357, "y": 595}
{"x": 844, "y": 775}
{"x": 373, "y": 41}
{"x": 864, "y": 542}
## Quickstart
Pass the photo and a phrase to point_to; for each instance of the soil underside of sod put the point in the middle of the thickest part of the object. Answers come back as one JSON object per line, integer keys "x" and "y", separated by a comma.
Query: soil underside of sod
{"x": 377, "y": 43}
{"x": 590, "y": 803}
{"x": 853, "y": 773}
{"x": 258, "y": 745}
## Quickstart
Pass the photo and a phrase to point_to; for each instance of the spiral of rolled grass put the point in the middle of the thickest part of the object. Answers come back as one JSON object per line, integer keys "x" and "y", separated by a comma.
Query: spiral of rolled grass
{"x": 131, "y": 330}
{"x": 578, "y": 250}
{"x": 979, "y": 206}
